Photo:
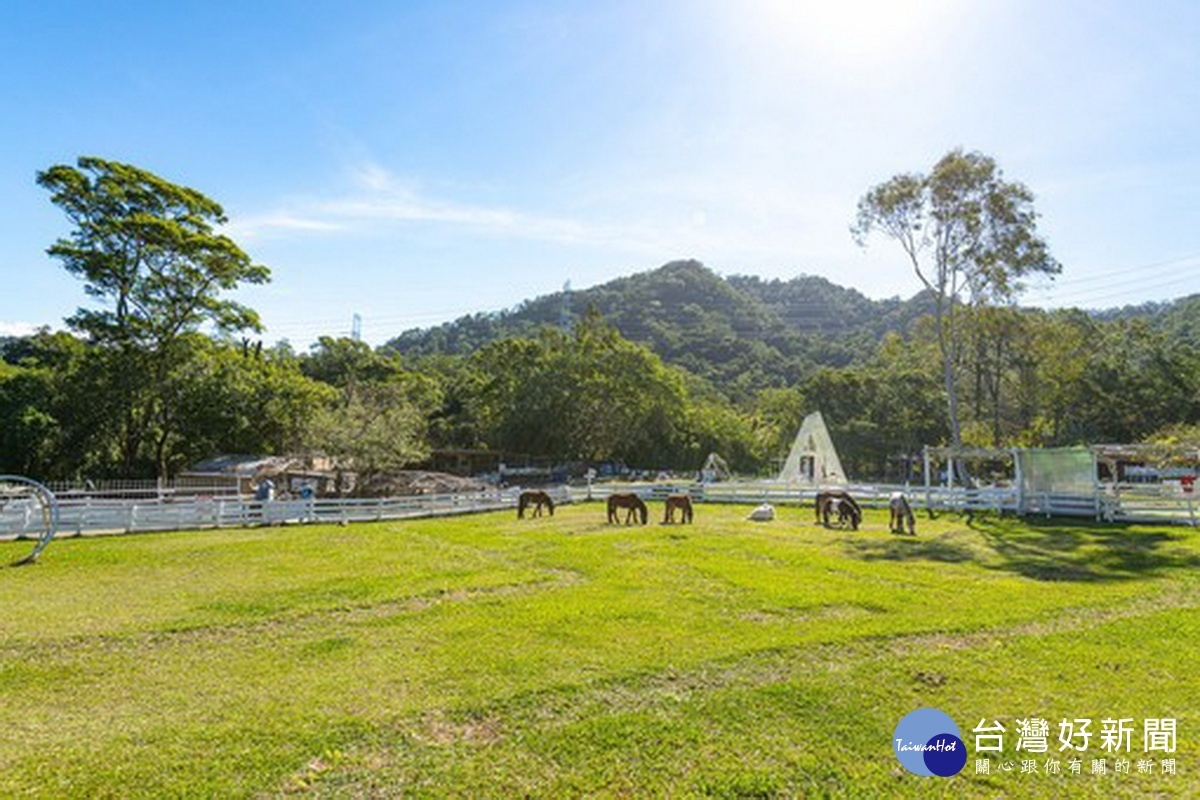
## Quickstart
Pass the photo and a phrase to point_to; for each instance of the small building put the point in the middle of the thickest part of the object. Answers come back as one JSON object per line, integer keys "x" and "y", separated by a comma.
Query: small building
{"x": 290, "y": 474}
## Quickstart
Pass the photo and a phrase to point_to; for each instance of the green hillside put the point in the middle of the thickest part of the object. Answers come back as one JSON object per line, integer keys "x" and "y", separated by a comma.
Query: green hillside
{"x": 740, "y": 332}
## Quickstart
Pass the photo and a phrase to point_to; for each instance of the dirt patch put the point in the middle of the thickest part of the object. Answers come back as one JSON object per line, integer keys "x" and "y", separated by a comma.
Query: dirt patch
{"x": 438, "y": 729}
{"x": 807, "y": 614}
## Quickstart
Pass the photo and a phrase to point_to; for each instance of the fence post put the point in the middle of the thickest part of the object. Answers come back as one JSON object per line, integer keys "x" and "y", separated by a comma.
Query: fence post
{"x": 928, "y": 476}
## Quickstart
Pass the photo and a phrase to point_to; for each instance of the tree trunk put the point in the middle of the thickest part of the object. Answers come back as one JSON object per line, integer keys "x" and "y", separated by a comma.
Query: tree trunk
{"x": 948, "y": 345}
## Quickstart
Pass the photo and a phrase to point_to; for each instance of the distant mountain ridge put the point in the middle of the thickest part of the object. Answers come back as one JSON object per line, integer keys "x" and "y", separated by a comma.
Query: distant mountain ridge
{"x": 741, "y": 332}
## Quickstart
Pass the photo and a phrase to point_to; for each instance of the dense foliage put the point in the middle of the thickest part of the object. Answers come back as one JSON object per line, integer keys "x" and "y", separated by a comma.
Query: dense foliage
{"x": 741, "y": 334}
{"x": 655, "y": 370}
{"x": 1027, "y": 377}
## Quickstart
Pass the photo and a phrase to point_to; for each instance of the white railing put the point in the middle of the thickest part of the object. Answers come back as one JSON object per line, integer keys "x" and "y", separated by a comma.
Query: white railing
{"x": 1124, "y": 503}
{"x": 91, "y": 515}
{"x": 1161, "y": 503}
{"x": 142, "y": 489}
{"x": 870, "y": 495}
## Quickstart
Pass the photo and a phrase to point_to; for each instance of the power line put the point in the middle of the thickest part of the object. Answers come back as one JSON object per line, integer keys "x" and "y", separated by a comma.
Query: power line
{"x": 1125, "y": 271}
{"x": 1092, "y": 289}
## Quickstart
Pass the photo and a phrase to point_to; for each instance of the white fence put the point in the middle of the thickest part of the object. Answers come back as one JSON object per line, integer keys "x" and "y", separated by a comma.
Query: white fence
{"x": 146, "y": 489}
{"x": 1155, "y": 503}
{"x": 79, "y": 515}
{"x": 870, "y": 495}
{"x": 84, "y": 514}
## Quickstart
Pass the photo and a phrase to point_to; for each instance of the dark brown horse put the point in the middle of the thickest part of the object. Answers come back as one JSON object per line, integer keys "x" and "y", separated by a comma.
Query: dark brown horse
{"x": 536, "y": 498}
{"x": 631, "y": 502}
{"x": 823, "y": 498}
{"x": 901, "y": 515}
{"x": 682, "y": 502}
{"x": 839, "y": 503}
{"x": 847, "y": 513}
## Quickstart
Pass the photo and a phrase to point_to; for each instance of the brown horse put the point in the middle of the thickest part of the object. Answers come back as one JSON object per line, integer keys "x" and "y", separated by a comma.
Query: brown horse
{"x": 631, "y": 502}
{"x": 841, "y": 504}
{"x": 678, "y": 501}
{"x": 825, "y": 496}
{"x": 537, "y": 499}
{"x": 846, "y": 511}
{"x": 901, "y": 515}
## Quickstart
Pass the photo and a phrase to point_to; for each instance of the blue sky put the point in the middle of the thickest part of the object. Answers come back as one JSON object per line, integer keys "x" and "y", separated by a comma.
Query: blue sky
{"x": 416, "y": 161}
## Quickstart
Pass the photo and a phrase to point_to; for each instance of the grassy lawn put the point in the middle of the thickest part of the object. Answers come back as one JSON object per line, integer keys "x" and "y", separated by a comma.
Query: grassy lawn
{"x": 482, "y": 655}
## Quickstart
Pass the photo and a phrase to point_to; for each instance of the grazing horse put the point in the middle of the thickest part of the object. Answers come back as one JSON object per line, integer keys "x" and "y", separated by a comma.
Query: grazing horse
{"x": 823, "y": 499}
{"x": 678, "y": 501}
{"x": 536, "y": 498}
{"x": 901, "y": 515}
{"x": 845, "y": 508}
{"x": 631, "y": 502}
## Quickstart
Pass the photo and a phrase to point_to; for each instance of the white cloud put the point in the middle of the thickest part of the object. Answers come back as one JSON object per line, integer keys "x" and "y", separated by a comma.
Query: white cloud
{"x": 746, "y": 217}
{"x": 372, "y": 176}
{"x": 17, "y": 328}
{"x": 380, "y": 198}
{"x": 280, "y": 221}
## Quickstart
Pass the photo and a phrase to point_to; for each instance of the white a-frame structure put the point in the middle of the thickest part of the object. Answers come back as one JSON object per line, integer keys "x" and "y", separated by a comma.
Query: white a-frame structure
{"x": 813, "y": 461}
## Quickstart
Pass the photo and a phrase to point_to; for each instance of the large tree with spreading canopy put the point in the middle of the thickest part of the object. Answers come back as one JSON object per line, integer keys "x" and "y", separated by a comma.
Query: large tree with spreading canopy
{"x": 149, "y": 252}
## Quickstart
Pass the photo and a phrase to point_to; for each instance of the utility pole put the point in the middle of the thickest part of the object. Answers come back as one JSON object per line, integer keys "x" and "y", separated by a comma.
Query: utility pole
{"x": 564, "y": 313}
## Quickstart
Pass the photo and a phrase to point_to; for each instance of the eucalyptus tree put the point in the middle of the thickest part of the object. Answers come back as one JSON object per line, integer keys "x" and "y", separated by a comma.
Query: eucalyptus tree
{"x": 970, "y": 236}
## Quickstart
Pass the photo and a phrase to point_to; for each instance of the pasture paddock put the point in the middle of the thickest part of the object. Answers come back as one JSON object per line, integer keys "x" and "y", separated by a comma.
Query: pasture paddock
{"x": 483, "y": 655}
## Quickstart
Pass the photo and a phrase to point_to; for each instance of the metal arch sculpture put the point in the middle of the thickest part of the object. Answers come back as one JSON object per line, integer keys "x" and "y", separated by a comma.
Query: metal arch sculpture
{"x": 49, "y": 508}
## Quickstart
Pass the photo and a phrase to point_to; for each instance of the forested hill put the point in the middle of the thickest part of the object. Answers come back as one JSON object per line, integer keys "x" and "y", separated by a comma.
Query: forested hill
{"x": 740, "y": 332}
{"x": 1178, "y": 319}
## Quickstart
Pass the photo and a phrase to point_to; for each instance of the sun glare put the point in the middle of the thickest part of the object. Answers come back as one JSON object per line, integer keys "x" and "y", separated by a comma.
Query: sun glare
{"x": 846, "y": 34}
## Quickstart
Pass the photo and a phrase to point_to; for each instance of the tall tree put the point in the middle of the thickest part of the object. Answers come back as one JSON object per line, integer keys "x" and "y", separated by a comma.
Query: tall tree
{"x": 347, "y": 362}
{"x": 970, "y": 237}
{"x": 148, "y": 251}
{"x": 374, "y": 429}
{"x": 227, "y": 400}
{"x": 589, "y": 395}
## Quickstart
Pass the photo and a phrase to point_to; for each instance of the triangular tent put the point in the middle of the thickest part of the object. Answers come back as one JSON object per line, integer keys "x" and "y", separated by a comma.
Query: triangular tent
{"x": 813, "y": 461}
{"x": 715, "y": 469}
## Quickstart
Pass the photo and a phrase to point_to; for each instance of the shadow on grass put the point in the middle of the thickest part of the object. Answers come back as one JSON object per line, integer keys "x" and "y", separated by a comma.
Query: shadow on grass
{"x": 1047, "y": 550}
{"x": 942, "y": 548}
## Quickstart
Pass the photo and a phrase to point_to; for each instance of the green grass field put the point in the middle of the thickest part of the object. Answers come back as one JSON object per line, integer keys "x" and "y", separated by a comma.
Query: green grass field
{"x": 482, "y": 655}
